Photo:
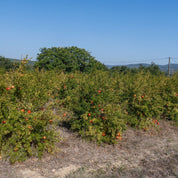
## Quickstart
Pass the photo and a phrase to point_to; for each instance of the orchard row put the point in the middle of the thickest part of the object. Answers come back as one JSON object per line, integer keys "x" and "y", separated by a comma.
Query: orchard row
{"x": 98, "y": 105}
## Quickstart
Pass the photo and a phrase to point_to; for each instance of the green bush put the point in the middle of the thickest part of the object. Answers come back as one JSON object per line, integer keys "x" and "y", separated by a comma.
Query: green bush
{"x": 27, "y": 127}
{"x": 136, "y": 100}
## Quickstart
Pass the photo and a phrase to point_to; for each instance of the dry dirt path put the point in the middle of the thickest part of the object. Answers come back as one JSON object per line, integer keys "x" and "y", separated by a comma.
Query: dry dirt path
{"x": 139, "y": 154}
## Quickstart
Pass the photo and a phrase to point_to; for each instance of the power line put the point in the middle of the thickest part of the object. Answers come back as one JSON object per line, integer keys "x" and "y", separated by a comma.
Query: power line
{"x": 174, "y": 60}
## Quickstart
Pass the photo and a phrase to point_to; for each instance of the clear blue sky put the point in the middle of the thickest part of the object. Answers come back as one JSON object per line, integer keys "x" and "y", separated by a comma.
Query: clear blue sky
{"x": 114, "y": 31}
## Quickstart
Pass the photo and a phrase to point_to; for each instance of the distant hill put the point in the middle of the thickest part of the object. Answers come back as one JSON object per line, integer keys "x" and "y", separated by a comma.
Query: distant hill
{"x": 164, "y": 68}
{"x": 31, "y": 63}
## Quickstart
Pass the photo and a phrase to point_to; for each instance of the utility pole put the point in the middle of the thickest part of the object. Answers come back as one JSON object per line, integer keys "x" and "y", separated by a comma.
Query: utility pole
{"x": 169, "y": 67}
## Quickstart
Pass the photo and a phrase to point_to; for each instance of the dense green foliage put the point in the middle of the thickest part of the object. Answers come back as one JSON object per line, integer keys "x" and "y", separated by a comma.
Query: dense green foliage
{"x": 6, "y": 65}
{"x": 99, "y": 105}
{"x": 153, "y": 69}
{"x": 68, "y": 59}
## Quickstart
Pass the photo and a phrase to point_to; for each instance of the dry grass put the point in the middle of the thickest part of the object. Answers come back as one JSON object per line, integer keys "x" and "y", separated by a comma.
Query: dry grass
{"x": 140, "y": 154}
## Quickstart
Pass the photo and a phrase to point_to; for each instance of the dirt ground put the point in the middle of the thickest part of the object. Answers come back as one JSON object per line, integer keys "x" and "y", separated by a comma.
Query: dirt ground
{"x": 139, "y": 154}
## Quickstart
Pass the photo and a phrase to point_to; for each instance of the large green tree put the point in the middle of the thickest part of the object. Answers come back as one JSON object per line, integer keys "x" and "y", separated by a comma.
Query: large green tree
{"x": 68, "y": 59}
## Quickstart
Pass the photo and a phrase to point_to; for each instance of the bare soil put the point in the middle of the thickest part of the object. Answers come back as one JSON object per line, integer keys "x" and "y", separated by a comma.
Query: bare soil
{"x": 152, "y": 154}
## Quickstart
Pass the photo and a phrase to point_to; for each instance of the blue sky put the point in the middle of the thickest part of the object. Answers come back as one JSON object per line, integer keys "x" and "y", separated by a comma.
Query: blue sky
{"x": 114, "y": 31}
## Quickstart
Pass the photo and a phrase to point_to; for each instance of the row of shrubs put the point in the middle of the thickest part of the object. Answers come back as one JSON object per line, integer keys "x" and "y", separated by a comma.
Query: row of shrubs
{"x": 98, "y": 105}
